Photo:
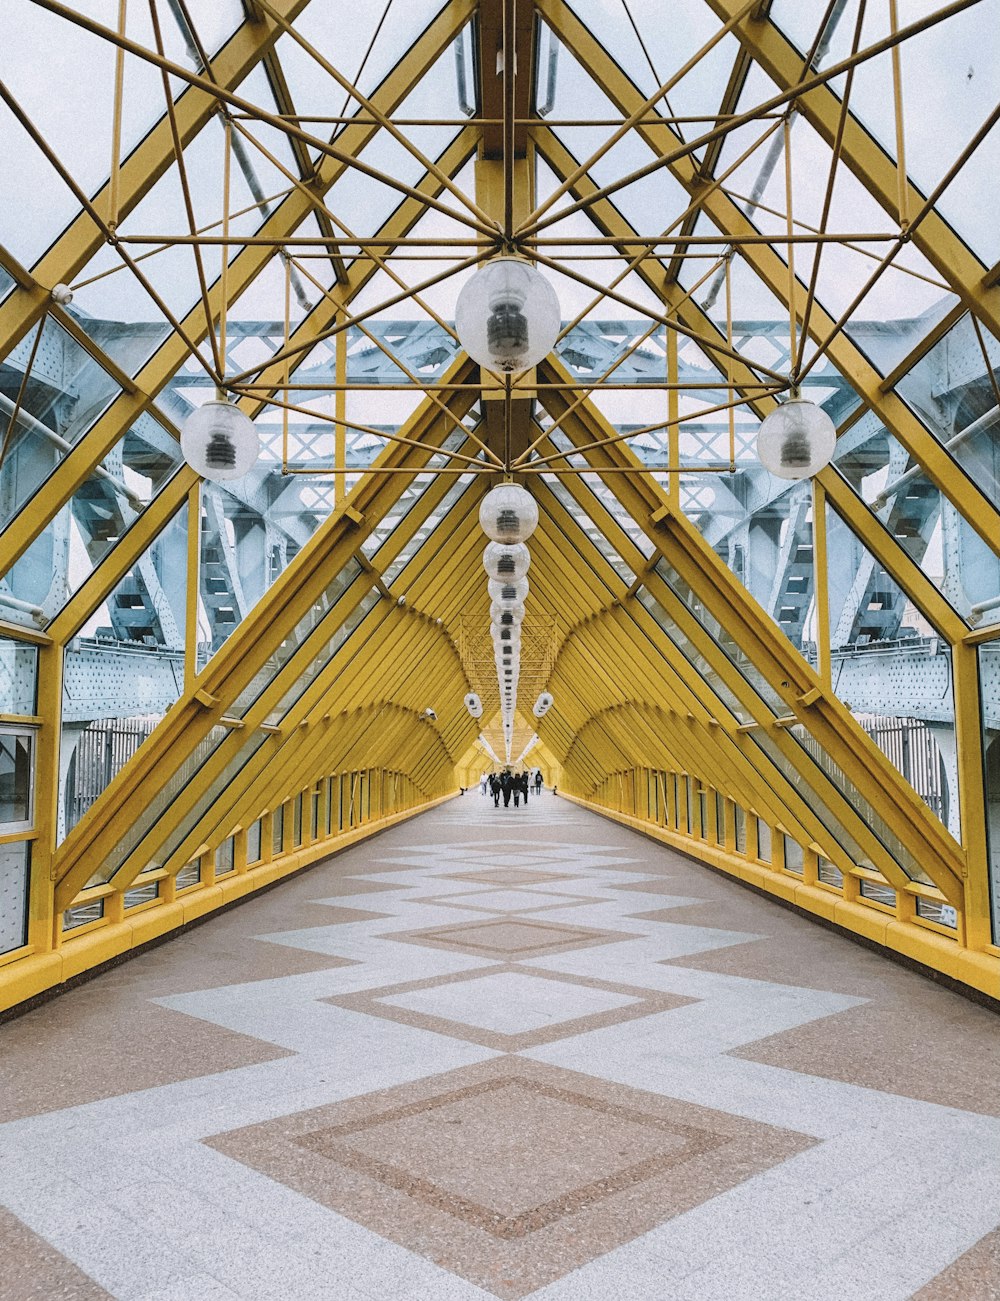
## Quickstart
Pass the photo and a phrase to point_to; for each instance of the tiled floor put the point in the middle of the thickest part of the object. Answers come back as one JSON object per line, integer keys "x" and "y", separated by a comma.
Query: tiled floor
{"x": 492, "y": 1053}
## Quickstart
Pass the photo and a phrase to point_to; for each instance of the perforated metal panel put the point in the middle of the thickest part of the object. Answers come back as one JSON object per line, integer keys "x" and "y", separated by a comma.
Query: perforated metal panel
{"x": 13, "y": 896}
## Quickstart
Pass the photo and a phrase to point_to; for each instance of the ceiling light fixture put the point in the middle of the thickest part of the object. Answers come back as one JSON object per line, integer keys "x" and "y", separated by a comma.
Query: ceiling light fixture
{"x": 797, "y": 439}
{"x": 507, "y": 316}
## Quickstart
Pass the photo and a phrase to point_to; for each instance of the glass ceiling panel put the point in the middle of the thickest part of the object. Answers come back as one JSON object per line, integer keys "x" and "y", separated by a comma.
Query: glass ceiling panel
{"x": 950, "y": 85}
{"x": 364, "y": 49}
{"x": 78, "y": 122}
{"x": 37, "y": 203}
{"x": 700, "y": 91}
{"x": 116, "y": 294}
{"x": 360, "y": 201}
{"x": 908, "y": 288}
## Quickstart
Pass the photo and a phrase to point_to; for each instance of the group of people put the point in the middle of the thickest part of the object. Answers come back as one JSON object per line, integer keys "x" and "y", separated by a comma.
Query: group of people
{"x": 507, "y": 785}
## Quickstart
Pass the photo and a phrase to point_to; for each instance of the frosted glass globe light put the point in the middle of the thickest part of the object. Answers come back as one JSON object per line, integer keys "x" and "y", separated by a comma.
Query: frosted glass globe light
{"x": 501, "y": 590}
{"x": 796, "y": 439}
{"x": 506, "y": 613}
{"x": 219, "y": 441}
{"x": 543, "y": 704}
{"x": 506, "y": 562}
{"x": 507, "y": 316}
{"x": 508, "y": 513}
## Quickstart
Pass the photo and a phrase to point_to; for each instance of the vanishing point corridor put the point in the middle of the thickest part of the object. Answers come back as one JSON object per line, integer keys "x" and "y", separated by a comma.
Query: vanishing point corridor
{"x": 503, "y": 1054}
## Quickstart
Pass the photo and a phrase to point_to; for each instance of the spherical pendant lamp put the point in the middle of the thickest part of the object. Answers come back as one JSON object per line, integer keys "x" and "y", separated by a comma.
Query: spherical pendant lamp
{"x": 543, "y": 704}
{"x": 508, "y": 513}
{"x": 502, "y": 561}
{"x": 505, "y": 615}
{"x": 505, "y": 590}
{"x": 219, "y": 441}
{"x": 796, "y": 439}
{"x": 507, "y": 315}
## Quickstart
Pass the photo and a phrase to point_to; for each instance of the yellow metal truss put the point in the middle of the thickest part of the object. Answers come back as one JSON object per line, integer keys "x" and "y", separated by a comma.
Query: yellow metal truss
{"x": 335, "y": 706}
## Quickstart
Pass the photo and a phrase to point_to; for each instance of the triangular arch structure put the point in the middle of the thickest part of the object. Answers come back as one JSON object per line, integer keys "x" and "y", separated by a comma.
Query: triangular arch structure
{"x": 209, "y": 686}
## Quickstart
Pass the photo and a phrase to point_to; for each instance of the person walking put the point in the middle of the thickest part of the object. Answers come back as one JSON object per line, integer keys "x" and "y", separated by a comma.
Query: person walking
{"x": 495, "y": 789}
{"x": 538, "y": 782}
{"x": 524, "y": 787}
{"x": 516, "y": 783}
{"x": 506, "y": 785}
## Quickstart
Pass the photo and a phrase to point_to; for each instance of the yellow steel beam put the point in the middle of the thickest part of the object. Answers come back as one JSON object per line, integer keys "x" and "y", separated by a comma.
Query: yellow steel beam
{"x": 112, "y": 424}
{"x": 697, "y": 689}
{"x": 88, "y": 452}
{"x": 768, "y": 265}
{"x": 788, "y": 674}
{"x": 138, "y": 173}
{"x": 230, "y": 671}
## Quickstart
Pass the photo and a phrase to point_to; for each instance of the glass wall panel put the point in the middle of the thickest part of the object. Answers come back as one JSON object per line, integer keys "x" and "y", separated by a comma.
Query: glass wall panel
{"x": 18, "y": 676}
{"x": 893, "y": 672}
{"x": 254, "y": 842}
{"x": 225, "y": 857}
{"x": 952, "y": 390}
{"x": 130, "y": 655}
{"x": 65, "y": 394}
{"x": 16, "y": 775}
{"x": 214, "y": 790}
{"x": 331, "y": 595}
{"x": 794, "y": 859}
{"x": 722, "y": 636}
{"x": 13, "y": 895}
{"x": 989, "y": 691}
{"x": 765, "y": 742}
{"x": 923, "y": 521}
{"x": 740, "y": 828}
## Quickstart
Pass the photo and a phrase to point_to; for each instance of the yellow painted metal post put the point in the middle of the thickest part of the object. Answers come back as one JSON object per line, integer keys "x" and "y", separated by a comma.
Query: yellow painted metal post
{"x": 193, "y": 591}
{"x": 43, "y": 925}
{"x": 340, "y": 412}
{"x": 673, "y": 415}
{"x": 821, "y": 584}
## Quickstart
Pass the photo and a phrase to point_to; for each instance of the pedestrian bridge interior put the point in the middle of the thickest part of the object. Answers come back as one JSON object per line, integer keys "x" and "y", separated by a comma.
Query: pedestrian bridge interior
{"x": 741, "y": 688}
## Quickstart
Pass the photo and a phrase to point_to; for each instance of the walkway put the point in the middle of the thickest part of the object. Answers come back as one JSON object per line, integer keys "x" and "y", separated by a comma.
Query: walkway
{"x": 498, "y": 1054}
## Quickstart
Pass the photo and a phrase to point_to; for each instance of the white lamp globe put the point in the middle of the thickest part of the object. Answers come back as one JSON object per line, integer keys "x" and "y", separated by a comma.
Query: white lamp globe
{"x": 508, "y": 513}
{"x": 503, "y": 590}
{"x": 219, "y": 441}
{"x": 502, "y": 561}
{"x": 543, "y": 704}
{"x": 507, "y": 316}
{"x": 505, "y": 615}
{"x": 796, "y": 439}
